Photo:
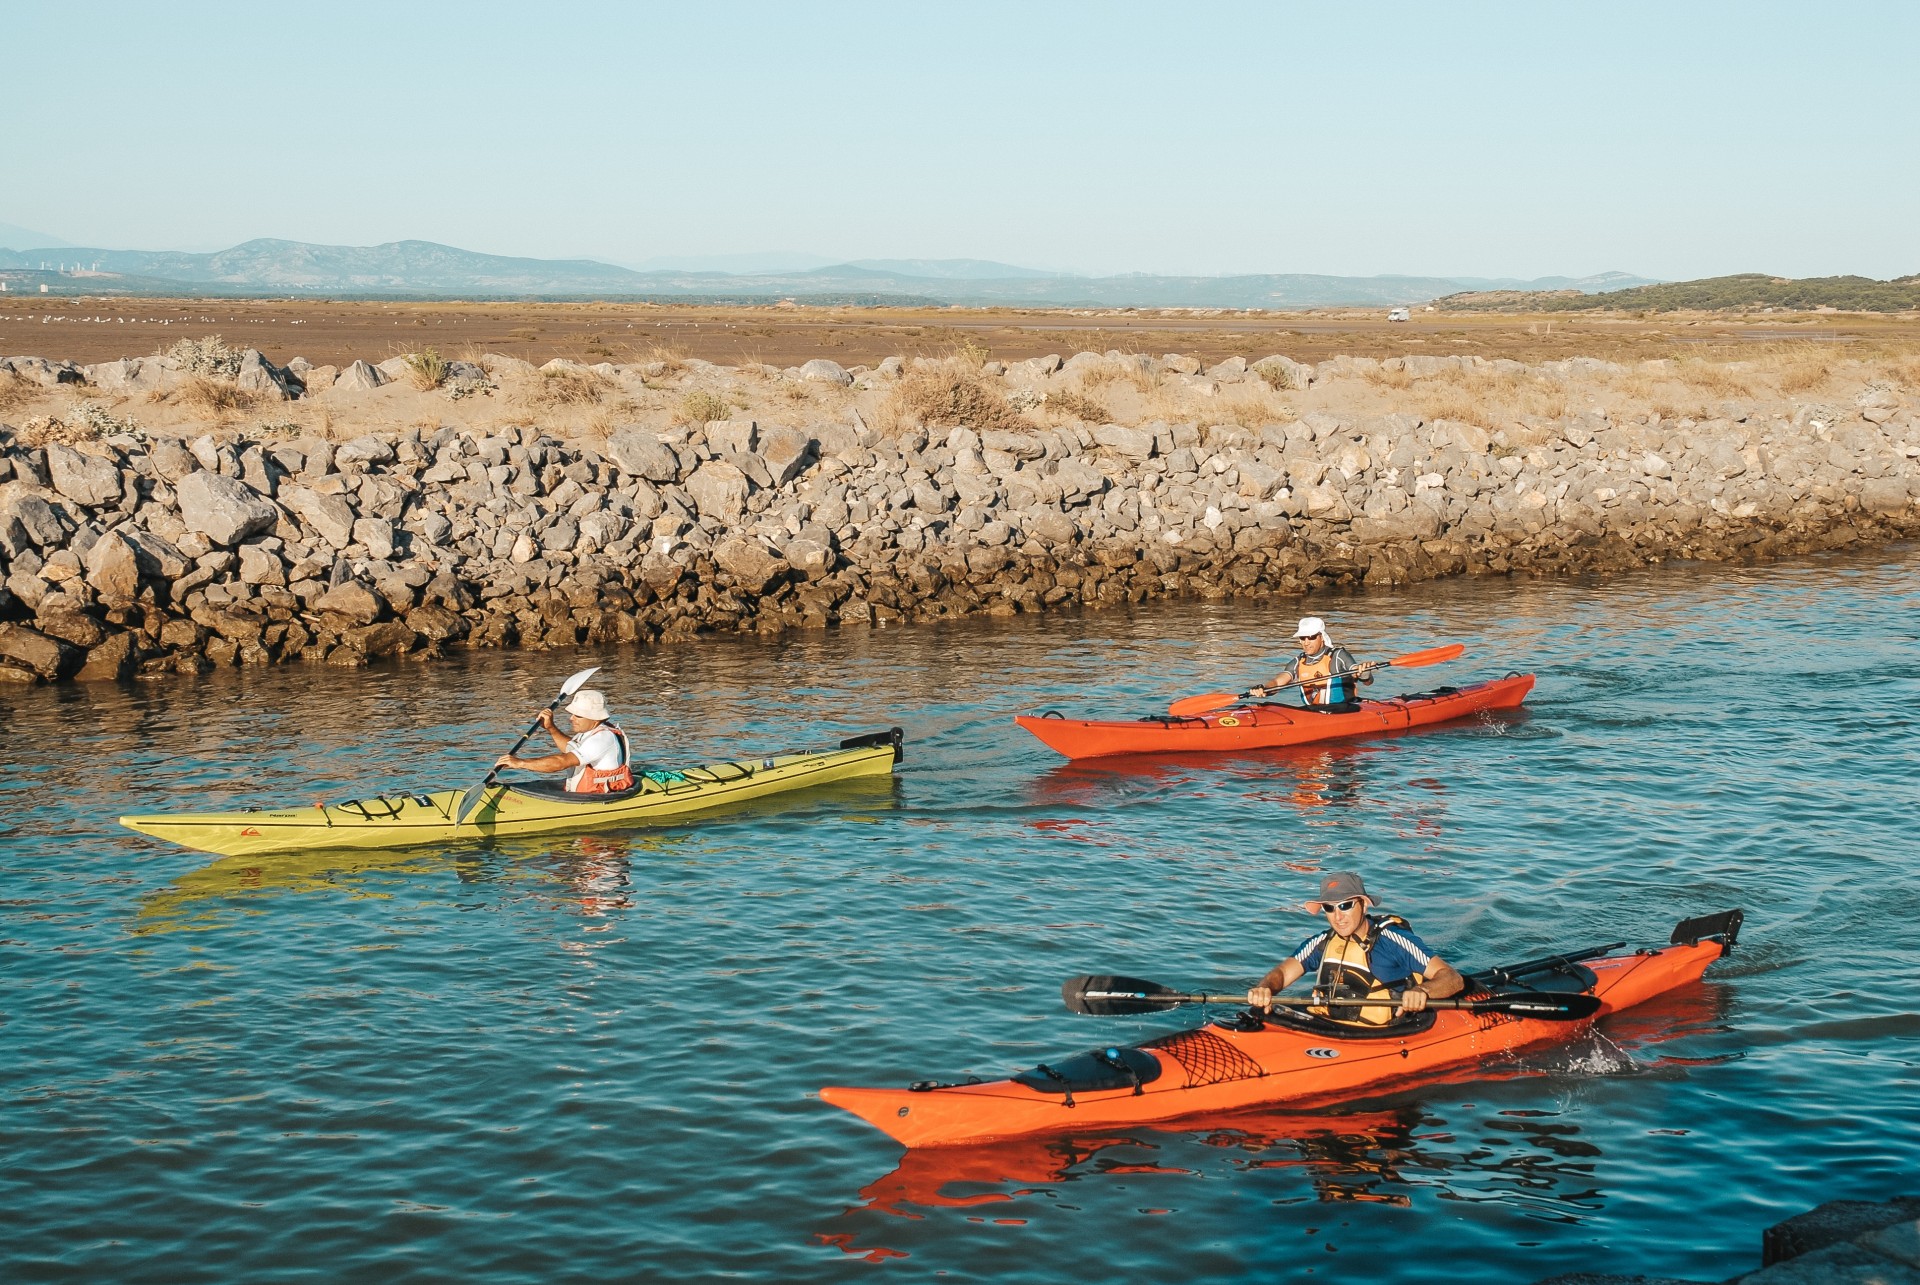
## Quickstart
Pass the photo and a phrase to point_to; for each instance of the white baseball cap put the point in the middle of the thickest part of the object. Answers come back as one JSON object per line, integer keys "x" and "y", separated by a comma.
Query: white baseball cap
{"x": 588, "y": 704}
{"x": 1310, "y": 627}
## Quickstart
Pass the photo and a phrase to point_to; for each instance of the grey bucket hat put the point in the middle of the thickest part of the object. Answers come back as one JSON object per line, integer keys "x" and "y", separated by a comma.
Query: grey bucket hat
{"x": 1341, "y": 885}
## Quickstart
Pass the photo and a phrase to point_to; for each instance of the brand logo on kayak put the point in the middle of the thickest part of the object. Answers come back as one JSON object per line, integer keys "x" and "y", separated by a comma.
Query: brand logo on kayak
{"x": 1323, "y": 1052}
{"x": 250, "y": 833}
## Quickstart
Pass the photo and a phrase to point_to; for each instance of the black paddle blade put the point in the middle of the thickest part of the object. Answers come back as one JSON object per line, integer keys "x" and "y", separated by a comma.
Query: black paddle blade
{"x": 1104, "y": 995}
{"x": 1725, "y": 925}
{"x": 1540, "y": 1007}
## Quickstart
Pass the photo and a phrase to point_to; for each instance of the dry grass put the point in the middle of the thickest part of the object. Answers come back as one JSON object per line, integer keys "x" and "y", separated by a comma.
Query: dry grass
{"x": 569, "y": 387}
{"x": 703, "y": 407}
{"x": 1117, "y": 373}
{"x": 15, "y": 392}
{"x": 1489, "y": 400}
{"x": 950, "y": 392}
{"x": 217, "y": 397}
{"x": 1252, "y": 407}
{"x": 1078, "y": 406}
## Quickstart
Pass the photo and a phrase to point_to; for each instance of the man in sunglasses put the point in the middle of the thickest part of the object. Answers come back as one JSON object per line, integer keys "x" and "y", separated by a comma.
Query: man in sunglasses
{"x": 1360, "y": 956}
{"x": 1325, "y": 673}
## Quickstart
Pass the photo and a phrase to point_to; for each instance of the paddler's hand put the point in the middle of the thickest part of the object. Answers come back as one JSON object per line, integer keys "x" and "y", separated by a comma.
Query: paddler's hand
{"x": 1412, "y": 1000}
{"x": 1258, "y": 693}
{"x": 1260, "y": 997}
{"x": 507, "y": 761}
{"x": 546, "y": 719}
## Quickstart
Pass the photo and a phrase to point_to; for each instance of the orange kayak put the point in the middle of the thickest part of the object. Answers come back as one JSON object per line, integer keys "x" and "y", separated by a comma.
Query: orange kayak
{"x": 1290, "y": 1057}
{"x": 1267, "y": 725}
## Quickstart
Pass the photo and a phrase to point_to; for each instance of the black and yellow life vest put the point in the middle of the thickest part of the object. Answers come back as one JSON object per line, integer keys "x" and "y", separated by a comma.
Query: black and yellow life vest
{"x": 1346, "y": 973}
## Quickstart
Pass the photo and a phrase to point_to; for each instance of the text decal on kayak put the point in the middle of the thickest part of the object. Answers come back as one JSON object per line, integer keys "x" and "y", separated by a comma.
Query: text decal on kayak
{"x": 1323, "y": 1052}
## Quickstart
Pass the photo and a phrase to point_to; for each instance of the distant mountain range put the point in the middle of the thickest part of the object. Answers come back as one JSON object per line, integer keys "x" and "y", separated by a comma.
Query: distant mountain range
{"x": 427, "y": 269}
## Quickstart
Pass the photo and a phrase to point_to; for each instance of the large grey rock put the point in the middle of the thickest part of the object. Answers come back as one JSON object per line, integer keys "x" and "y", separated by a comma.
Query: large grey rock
{"x": 261, "y": 564}
{"x": 113, "y": 567}
{"x": 1134, "y": 443}
{"x": 357, "y": 378}
{"x": 352, "y": 601}
{"x": 642, "y": 454}
{"x": 258, "y": 376}
{"x": 37, "y": 520}
{"x": 719, "y": 490}
{"x": 224, "y": 509}
{"x": 331, "y": 517}
{"x": 49, "y": 658}
{"x": 376, "y": 534}
{"x": 749, "y": 564}
{"x": 731, "y": 436}
{"x": 171, "y": 458}
{"x": 83, "y": 478}
{"x": 820, "y": 370}
{"x": 367, "y": 449}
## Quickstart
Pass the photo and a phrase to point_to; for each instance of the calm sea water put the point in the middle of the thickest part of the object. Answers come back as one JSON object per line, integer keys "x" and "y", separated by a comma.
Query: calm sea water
{"x": 596, "y": 1058}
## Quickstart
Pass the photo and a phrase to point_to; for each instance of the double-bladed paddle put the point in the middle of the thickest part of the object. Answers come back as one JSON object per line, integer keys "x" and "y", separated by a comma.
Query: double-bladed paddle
{"x": 1108, "y": 996}
{"x": 567, "y": 689}
{"x": 1220, "y": 700}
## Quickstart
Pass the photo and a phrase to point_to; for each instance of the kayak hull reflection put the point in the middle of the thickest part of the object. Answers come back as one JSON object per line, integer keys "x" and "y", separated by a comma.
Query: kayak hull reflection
{"x": 406, "y": 820}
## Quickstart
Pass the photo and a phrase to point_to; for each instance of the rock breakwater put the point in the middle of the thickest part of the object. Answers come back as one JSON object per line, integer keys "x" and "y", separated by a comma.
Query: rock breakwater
{"x": 137, "y": 552}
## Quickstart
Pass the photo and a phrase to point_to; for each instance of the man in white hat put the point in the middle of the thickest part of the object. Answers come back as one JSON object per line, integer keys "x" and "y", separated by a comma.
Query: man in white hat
{"x": 597, "y": 751}
{"x": 1324, "y": 672}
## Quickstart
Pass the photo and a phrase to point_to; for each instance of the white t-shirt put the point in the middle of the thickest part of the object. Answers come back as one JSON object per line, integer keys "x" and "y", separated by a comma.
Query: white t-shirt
{"x": 598, "y": 749}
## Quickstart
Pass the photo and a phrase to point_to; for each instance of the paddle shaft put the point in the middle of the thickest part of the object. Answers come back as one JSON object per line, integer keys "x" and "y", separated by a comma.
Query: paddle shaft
{"x": 1493, "y": 1003}
{"x": 1193, "y": 706}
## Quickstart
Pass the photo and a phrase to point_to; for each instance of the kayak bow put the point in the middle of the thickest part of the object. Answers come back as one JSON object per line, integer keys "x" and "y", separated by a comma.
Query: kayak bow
{"x": 1286, "y": 1058}
{"x": 403, "y": 820}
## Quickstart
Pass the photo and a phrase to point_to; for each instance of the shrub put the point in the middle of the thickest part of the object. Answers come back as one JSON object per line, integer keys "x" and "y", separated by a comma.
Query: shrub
{"x": 950, "y": 393}
{"x": 206, "y": 356}
{"x": 570, "y": 386}
{"x": 701, "y": 407}
{"x": 427, "y": 368}
{"x": 213, "y": 395}
{"x": 15, "y": 391}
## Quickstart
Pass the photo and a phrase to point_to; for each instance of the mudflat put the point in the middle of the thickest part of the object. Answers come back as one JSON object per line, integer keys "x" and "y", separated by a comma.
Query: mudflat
{"x": 330, "y": 332}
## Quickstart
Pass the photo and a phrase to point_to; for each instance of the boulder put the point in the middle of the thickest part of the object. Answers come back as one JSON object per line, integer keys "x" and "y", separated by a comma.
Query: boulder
{"x": 376, "y": 534}
{"x": 111, "y": 658}
{"x": 260, "y": 564}
{"x": 113, "y": 567}
{"x": 364, "y": 450}
{"x": 351, "y": 601}
{"x": 84, "y": 479}
{"x": 822, "y": 371}
{"x": 640, "y": 453}
{"x": 224, "y": 509}
{"x": 1134, "y": 443}
{"x": 357, "y": 378}
{"x": 49, "y": 658}
{"x": 719, "y": 490}
{"x": 731, "y": 436}
{"x": 72, "y": 626}
{"x": 331, "y": 517}
{"x": 258, "y": 376}
{"x": 38, "y": 523}
{"x": 171, "y": 459}
{"x": 749, "y": 564}
{"x": 390, "y": 638}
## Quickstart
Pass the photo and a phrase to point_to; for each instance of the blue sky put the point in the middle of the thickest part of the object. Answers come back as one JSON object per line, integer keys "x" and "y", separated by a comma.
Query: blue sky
{"x": 1674, "y": 139}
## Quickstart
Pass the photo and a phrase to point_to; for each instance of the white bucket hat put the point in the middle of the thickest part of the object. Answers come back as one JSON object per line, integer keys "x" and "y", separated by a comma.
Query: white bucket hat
{"x": 588, "y": 704}
{"x": 1311, "y": 627}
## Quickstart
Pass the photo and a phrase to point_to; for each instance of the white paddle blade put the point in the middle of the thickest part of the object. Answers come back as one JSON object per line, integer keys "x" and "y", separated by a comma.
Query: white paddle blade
{"x": 578, "y": 681}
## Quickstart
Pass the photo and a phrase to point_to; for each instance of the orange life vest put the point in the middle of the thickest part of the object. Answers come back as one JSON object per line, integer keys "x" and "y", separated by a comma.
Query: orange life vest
{"x": 594, "y": 780}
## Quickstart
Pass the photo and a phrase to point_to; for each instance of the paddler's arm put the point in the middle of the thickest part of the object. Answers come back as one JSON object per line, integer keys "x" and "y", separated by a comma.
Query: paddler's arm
{"x": 1442, "y": 983}
{"x": 1284, "y": 975}
{"x": 546, "y": 721}
{"x": 545, "y": 763}
{"x": 1343, "y": 664}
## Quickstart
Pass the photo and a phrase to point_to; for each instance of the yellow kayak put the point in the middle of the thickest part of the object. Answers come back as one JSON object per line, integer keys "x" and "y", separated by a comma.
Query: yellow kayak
{"x": 403, "y": 820}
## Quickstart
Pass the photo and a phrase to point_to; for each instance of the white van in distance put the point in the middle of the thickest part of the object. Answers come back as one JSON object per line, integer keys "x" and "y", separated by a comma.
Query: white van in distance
{"x": 1399, "y": 314}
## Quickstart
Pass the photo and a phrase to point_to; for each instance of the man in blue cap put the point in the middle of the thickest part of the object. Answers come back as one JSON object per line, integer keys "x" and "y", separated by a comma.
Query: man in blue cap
{"x": 1360, "y": 956}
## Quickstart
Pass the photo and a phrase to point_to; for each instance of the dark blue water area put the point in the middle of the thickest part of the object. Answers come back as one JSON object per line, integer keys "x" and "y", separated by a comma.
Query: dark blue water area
{"x": 597, "y": 1057}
